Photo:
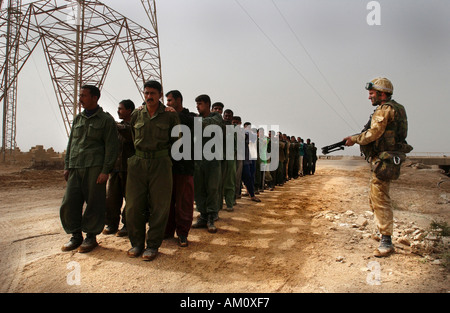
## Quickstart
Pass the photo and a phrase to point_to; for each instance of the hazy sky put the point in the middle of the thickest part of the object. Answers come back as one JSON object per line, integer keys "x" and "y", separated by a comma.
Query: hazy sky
{"x": 298, "y": 64}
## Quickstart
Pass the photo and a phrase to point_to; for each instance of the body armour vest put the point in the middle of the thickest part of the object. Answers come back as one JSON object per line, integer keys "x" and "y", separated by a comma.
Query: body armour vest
{"x": 394, "y": 137}
{"x": 396, "y": 131}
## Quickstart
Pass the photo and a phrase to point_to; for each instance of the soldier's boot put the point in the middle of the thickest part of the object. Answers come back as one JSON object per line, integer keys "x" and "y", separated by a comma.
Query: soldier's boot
{"x": 386, "y": 247}
{"x": 210, "y": 223}
{"x": 201, "y": 221}
{"x": 75, "y": 241}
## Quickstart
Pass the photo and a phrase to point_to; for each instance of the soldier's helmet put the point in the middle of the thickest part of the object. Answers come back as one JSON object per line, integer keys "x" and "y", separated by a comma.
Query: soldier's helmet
{"x": 381, "y": 84}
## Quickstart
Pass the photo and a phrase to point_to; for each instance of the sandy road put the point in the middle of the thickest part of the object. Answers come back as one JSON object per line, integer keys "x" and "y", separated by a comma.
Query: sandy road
{"x": 276, "y": 246}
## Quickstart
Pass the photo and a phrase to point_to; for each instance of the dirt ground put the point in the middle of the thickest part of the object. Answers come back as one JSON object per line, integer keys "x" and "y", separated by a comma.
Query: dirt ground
{"x": 315, "y": 234}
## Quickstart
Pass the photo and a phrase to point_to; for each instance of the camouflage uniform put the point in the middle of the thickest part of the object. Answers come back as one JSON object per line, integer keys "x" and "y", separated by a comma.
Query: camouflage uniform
{"x": 92, "y": 149}
{"x": 388, "y": 130}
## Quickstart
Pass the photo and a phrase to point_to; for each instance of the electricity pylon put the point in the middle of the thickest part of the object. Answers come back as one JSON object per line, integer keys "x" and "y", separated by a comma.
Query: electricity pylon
{"x": 79, "y": 39}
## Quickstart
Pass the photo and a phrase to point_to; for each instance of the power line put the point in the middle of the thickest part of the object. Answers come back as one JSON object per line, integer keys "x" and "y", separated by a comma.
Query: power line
{"x": 289, "y": 61}
{"x": 312, "y": 60}
{"x": 44, "y": 88}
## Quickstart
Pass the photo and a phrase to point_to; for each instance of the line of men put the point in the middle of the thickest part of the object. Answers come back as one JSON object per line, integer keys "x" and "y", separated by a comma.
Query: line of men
{"x": 107, "y": 162}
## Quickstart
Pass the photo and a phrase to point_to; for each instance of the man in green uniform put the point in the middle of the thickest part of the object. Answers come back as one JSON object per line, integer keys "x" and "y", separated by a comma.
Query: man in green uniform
{"x": 281, "y": 170}
{"x": 207, "y": 173}
{"x": 149, "y": 185}
{"x": 117, "y": 181}
{"x": 91, "y": 153}
{"x": 313, "y": 158}
{"x": 292, "y": 156}
{"x": 307, "y": 159}
{"x": 385, "y": 136}
{"x": 237, "y": 122}
{"x": 218, "y": 108}
{"x": 229, "y": 169}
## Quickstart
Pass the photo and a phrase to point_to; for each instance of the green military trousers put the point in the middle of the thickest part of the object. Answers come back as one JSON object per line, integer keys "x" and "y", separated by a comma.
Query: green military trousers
{"x": 82, "y": 187}
{"x": 227, "y": 187}
{"x": 207, "y": 176}
{"x": 229, "y": 182}
{"x": 148, "y": 195}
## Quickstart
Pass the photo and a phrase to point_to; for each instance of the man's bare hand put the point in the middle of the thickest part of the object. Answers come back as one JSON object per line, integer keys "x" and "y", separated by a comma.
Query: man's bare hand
{"x": 169, "y": 109}
{"x": 66, "y": 174}
{"x": 348, "y": 141}
{"x": 102, "y": 178}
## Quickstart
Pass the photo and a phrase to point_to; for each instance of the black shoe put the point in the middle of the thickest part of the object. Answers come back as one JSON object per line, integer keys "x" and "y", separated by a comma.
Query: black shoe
{"x": 182, "y": 241}
{"x": 201, "y": 222}
{"x": 149, "y": 254}
{"x": 210, "y": 224}
{"x": 122, "y": 232}
{"x": 135, "y": 252}
{"x": 75, "y": 241}
{"x": 88, "y": 244}
{"x": 109, "y": 230}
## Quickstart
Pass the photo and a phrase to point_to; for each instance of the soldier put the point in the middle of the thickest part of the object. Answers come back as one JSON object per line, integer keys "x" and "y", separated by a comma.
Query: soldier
{"x": 218, "y": 108}
{"x": 207, "y": 173}
{"x": 287, "y": 142}
{"x": 91, "y": 152}
{"x": 385, "y": 137}
{"x": 116, "y": 186}
{"x": 237, "y": 122}
{"x": 281, "y": 170}
{"x": 229, "y": 170}
{"x": 292, "y": 157}
{"x": 149, "y": 186}
{"x": 182, "y": 204}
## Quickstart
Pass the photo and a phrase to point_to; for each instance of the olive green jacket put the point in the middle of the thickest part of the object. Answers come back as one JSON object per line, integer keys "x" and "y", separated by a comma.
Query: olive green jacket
{"x": 92, "y": 142}
{"x": 153, "y": 134}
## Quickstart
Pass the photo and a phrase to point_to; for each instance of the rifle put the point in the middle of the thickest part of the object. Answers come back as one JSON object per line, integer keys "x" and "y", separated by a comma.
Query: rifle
{"x": 334, "y": 147}
{"x": 340, "y": 145}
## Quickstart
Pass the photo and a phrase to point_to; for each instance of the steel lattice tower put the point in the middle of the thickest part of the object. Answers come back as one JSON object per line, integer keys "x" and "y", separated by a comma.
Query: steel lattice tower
{"x": 79, "y": 38}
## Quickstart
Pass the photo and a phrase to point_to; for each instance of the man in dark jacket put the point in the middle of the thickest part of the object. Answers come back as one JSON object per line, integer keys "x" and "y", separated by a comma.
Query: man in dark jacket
{"x": 182, "y": 203}
{"x": 117, "y": 181}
